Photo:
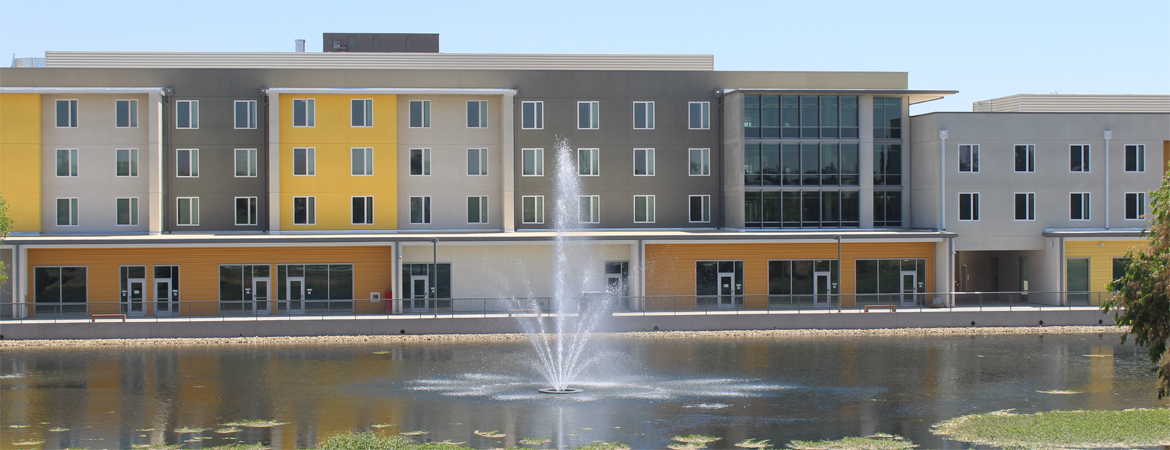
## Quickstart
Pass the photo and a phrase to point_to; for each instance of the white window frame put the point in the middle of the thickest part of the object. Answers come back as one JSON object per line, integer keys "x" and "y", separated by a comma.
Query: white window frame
{"x": 974, "y": 152}
{"x": 368, "y": 213}
{"x": 310, "y": 210}
{"x": 367, "y": 113}
{"x": 132, "y": 157}
{"x": 425, "y": 204}
{"x": 192, "y": 211}
{"x": 483, "y": 208}
{"x": 704, "y": 162}
{"x": 594, "y": 115}
{"x": 251, "y": 111}
{"x": 253, "y": 211}
{"x": 1140, "y": 150}
{"x": 74, "y": 214}
{"x": 426, "y": 162}
{"x": 310, "y": 112}
{"x": 1030, "y": 153}
{"x": 310, "y": 161}
{"x": 537, "y": 162}
{"x": 594, "y": 162}
{"x": 1086, "y": 205}
{"x": 974, "y": 212}
{"x": 192, "y": 114}
{"x": 537, "y": 115}
{"x": 649, "y": 156}
{"x": 74, "y": 162}
{"x": 538, "y": 203}
{"x": 424, "y": 110}
{"x": 649, "y": 208}
{"x": 482, "y": 158}
{"x": 1086, "y": 153}
{"x": 253, "y": 163}
{"x": 705, "y": 209}
{"x": 594, "y": 209}
{"x": 131, "y": 111}
{"x": 73, "y": 112}
{"x": 367, "y": 161}
{"x": 704, "y": 112}
{"x": 131, "y": 213}
{"x": 1141, "y": 205}
{"x": 193, "y": 157}
{"x": 482, "y": 108}
{"x": 1030, "y": 200}
{"x": 649, "y": 106}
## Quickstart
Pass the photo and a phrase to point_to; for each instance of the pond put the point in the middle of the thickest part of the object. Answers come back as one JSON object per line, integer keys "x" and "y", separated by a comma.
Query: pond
{"x": 641, "y": 391}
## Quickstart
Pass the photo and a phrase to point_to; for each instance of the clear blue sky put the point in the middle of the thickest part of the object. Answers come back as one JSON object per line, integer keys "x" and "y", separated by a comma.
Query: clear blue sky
{"x": 983, "y": 49}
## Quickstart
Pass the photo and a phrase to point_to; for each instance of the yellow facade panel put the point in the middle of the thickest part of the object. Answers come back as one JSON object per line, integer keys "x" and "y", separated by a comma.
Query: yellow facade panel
{"x": 1100, "y": 254}
{"x": 20, "y": 159}
{"x": 20, "y": 119}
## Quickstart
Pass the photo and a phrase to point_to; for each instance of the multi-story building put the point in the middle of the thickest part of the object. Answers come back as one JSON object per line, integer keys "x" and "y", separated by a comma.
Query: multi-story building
{"x": 299, "y": 182}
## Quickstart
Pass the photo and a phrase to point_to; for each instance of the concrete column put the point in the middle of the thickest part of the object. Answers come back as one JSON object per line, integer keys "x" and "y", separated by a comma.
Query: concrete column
{"x": 20, "y": 275}
{"x": 943, "y": 274}
{"x": 907, "y": 218}
{"x": 508, "y": 161}
{"x": 732, "y": 154}
{"x": 274, "y": 163}
{"x": 396, "y": 278}
{"x": 865, "y": 158}
{"x": 154, "y": 166}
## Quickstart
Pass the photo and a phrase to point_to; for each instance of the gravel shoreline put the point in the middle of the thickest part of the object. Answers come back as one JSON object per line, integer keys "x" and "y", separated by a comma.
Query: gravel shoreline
{"x": 436, "y": 338}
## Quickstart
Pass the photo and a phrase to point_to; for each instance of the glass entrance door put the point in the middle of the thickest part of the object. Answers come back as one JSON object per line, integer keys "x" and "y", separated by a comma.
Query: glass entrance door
{"x": 135, "y": 293}
{"x": 162, "y": 298}
{"x": 726, "y": 290}
{"x": 295, "y": 286}
{"x": 260, "y": 295}
{"x": 909, "y": 285}
{"x": 419, "y": 290}
{"x": 822, "y": 289}
{"x": 613, "y": 286}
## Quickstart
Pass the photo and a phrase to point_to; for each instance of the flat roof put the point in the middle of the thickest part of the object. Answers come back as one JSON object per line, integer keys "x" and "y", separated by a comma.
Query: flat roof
{"x": 83, "y": 90}
{"x": 1093, "y": 233}
{"x": 398, "y": 91}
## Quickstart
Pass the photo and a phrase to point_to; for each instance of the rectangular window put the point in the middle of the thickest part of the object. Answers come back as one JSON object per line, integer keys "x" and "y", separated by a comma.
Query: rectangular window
{"x": 67, "y": 159}
{"x": 361, "y": 112}
{"x": 477, "y": 209}
{"x": 788, "y": 117}
{"x": 477, "y": 114}
{"x": 751, "y": 116}
{"x": 187, "y": 211}
{"x": 643, "y": 209}
{"x": 588, "y": 116}
{"x": 644, "y": 162}
{"x": 1079, "y": 206}
{"x": 246, "y": 210}
{"x": 420, "y": 113}
{"x": 477, "y": 161}
{"x": 420, "y": 161}
{"x": 887, "y": 208}
{"x": 187, "y": 162}
{"x": 1025, "y": 158}
{"x": 127, "y": 211}
{"x": 57, "y": 285}
{"x": 187, "y": 114}
{"x": 885, "y": 280}
{"x": 887, "y": 118}
{"x": 245, "y": 114}
{"x": 887, "y": 164}
{"x": 532, "y": 115}
{"x": 533, "y": 162}
{"x": 305, "y": 162}
{"x": 643, "y": 115}
{"x": 699, "y": 114}
{"x": 362, "y": 210}
{"x": 532, "y": 209}
{"x": 127, "y": 162}
{"x": 719, "y": 284}
{"x": 1135, "y": 205}
{"x": 126, "y": 113}
{"x": 809, "y": 117}
{"x": 245, "y": 162}
{"x": 420, "y": 210}
{"x": 1135, "y": 158}
{"x": 848, "y": 114}
{"x": 1078, "y": 157}
{"x": 588, "y": 164}
{"x": 1119, "y": 265}
{"x": 968, "y": 158}
{"x": 66, "y": 113}
{"x": 1026, "y": 206}
{"x": 361, "y": 161}
{"x": 829, "y": 122}
{"x": 700, "y": 159}
{"x": 700, "y": 208}
{"x": 589, "y": 210}
{"x": 304, "y": 210}
{"x": 67, "y": 212}
{"x": 304, "y": 112}
{"x": 969, "y": 206}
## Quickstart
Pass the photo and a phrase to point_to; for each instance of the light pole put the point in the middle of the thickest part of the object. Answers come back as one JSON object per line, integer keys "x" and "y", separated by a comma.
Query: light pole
{"x": 433, "y": 276}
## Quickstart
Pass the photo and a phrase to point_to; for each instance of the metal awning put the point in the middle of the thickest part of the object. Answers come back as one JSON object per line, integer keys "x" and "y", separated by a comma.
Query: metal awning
{"x": 83, "y": 90}
{"x": 389, "y": 91}
{"x": 916, "y": 96}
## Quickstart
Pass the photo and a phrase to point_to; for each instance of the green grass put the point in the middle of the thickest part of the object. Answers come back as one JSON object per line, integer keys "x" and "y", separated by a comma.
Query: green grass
{"x": 875, "y": 442}
{"x": 695, "y": 439}
{"x": 254, "y": 423}
{"x": 228, "y": 430}
{"x": 494, "y": 434}
{"x": 238, "y": 447}
{"x": 373, "y": 441}
{"x": 1055, "y": 429}
{"x": 533, "y": 441}
{"x": 754, "y": 443}
{"x": 189, "y": 430}
{"x": 604, "y": 446}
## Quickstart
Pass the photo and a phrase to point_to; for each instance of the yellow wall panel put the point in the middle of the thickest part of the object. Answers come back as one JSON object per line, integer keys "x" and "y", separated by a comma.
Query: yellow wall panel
{"x": 1100, "y": 254}
{"x": 20, "y": 159}
{"x": 199, "y": 270}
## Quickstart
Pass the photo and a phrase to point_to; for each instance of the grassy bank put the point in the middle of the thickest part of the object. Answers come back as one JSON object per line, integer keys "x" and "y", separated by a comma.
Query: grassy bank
{"x": 1061, "y": 429}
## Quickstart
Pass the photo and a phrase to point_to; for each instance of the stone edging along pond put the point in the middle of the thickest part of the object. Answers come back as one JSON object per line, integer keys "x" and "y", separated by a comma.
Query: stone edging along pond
{"x": 439, "y": 338}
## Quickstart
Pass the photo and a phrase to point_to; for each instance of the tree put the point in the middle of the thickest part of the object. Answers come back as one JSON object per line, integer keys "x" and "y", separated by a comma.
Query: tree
{"x": 5, "y": 227}
{"x": 1141, "y": 298}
